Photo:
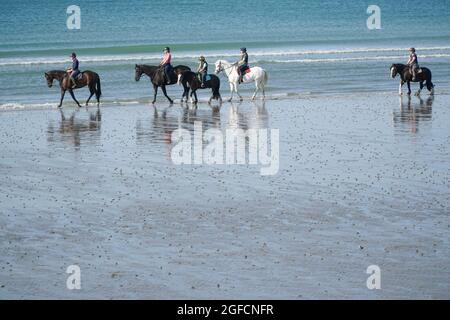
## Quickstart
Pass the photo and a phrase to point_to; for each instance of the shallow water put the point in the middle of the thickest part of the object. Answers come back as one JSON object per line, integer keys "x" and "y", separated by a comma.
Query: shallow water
{"x": 307, "y": 47}
{"x": 363, "y": 180}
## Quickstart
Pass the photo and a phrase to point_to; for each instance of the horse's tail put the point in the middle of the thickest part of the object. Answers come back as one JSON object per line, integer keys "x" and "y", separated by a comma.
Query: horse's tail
{"x": 98, "y": 91}
{"x": 429, "y": 84}
{"x": 266, "y": 77}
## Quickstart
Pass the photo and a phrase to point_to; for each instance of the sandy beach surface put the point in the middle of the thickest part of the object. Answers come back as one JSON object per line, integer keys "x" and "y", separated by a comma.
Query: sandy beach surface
{"x": 363, "y": 180}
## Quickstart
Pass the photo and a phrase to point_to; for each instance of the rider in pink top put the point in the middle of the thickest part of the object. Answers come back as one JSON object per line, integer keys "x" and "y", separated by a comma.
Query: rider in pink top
{"x": 165, "y": 63}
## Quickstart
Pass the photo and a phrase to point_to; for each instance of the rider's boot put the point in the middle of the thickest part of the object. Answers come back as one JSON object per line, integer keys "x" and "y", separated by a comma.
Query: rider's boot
{"x": 74, "y": 84}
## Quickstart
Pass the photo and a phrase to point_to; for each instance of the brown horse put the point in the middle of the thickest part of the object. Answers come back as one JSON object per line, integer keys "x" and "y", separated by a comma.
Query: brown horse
{"x": 191, "y": 80}
{"x": 156, "y": 74}
{"x": 88, "y": 78}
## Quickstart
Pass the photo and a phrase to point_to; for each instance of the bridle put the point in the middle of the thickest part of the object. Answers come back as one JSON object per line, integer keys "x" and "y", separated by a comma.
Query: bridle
{"x": 221, "y": 68}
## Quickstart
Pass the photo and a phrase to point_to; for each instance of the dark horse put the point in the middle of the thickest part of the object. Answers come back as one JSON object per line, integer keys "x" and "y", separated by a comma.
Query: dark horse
{"x": 406, "y": 76}
{"x": 190, "y": 80}
{"x": 156, "y": 74}
{"x": 89, "y": 78}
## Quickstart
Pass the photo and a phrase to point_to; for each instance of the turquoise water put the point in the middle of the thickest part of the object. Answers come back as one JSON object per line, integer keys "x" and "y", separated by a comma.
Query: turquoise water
{"x": 306, "y": 46}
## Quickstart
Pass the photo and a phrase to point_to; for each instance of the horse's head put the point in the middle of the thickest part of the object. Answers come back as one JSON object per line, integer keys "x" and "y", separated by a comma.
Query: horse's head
{"x": 138, "y": 72}
{"x": 219, "y": 67}
{"x": 49, "y": 79}
{"x": 394, "y": 70}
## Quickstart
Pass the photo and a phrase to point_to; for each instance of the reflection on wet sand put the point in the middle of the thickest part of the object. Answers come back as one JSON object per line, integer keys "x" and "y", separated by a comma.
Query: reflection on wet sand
{"x": 158, "y": 128}
{"x": 164, "y": 121}
{"x": 411, "y": 112}
{"x": 71, "y": 129}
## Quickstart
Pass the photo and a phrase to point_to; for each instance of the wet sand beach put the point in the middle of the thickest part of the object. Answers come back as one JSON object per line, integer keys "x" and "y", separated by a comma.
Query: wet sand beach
{"x": 363, "y": 180}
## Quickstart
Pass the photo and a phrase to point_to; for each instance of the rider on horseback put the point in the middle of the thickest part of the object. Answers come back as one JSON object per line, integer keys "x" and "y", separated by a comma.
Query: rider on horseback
{"x": 74, "y": 72}
{"x": 413, "y": 63}
{"x": 202, "y": 70}
{"x": 165, "y": 63}
{"x": 242, "y": 64}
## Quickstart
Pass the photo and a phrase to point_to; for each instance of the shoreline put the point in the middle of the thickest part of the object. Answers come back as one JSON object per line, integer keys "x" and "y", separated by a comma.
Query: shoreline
{"x": 203, "y": 99}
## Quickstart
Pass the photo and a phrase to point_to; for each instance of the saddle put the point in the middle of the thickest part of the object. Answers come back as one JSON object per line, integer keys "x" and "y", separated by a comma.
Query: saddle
{"x": 79, "y": 76}
{"x": 246, "y": 70}
{"x": 207, "y": 78}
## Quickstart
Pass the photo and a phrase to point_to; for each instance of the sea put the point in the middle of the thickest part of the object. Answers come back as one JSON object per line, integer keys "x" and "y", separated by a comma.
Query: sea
{"x": 307, "y": 47}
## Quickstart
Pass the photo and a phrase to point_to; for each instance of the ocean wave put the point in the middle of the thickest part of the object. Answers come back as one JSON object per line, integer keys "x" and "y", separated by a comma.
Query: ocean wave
{"x": 228, "y": 54}
{"x": 27, "y": 106}
{"x": 344, "y": 59}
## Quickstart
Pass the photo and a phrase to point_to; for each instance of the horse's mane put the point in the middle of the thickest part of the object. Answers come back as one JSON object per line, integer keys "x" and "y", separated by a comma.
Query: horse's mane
{"x": 56, "y": 72}
{"x": 59, "y": 74}
{"x": 146, "y": 68}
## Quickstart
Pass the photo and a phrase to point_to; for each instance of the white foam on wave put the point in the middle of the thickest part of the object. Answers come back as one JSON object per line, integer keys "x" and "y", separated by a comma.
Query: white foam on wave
{"x": 211, "y": 55}
{"x": 27, "y": 106}
{"x": 373, "y": 58}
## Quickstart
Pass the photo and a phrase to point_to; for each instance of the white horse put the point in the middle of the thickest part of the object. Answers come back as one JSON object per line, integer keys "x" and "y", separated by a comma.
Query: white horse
{"x": 256, "y": 74}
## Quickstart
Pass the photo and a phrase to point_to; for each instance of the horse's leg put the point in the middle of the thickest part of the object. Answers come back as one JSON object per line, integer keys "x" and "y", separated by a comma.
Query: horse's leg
{"x": 409, "y": 87}
{"x": 231, "y": 91}
{"x": 184, "y": 92}
{"x": 420, "y": 88}
{"x": 155, "y": 92}
{"x": 92, "y": 90}
{"x": 187, "y": 93}
{"x": 163, "y": 87}
{"x": 430, "y": 86}
{"x": 256, "y": 91}
{"x": 63, "y": 92}
{"x": 195, "y": 95}
{"x": 73, "y": 97}
{"x": 400, "y": 87}
{"x": 237, "y": 92}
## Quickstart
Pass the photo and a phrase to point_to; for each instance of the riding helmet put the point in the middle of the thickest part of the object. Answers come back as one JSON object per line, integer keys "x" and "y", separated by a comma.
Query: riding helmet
{"x": 73, "y": 55}
{"x": 167, "y": 49}
{"x": 412, "y": 49}
{"x": 244, "y": 49}
{"x": 202, "y": 58}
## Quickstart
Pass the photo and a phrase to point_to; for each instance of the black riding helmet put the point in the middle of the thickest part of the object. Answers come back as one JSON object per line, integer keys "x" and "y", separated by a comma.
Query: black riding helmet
{"x": 244, "y": 49}
{"x": 73, "y": 55}
{"x": 167, "y": 49}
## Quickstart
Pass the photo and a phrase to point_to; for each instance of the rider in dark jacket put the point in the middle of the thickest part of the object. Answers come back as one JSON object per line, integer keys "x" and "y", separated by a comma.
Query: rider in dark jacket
{"x": 242, "y": 64}
{"x": 202, "y": 69}
{"x": 74, "y": 71}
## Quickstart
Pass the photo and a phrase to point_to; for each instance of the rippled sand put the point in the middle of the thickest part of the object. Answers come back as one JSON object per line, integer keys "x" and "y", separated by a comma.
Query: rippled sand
{"x": 363, "y": 180}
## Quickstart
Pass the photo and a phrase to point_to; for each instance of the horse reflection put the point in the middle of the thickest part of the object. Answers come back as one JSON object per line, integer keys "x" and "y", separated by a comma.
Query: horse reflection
{"x": 71, "y": 129}
{"x": 255, "y": 118}
{"x": 412, "y": 113}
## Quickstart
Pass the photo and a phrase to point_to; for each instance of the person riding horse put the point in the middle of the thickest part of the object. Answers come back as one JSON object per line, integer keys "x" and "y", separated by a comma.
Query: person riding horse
{"x": 166, "y": 63}
{"x": 413, "y": 63}
{"x": 242, "y": 64}
{"x": 202, "y": 70}
{"x": 74, "y": 72}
